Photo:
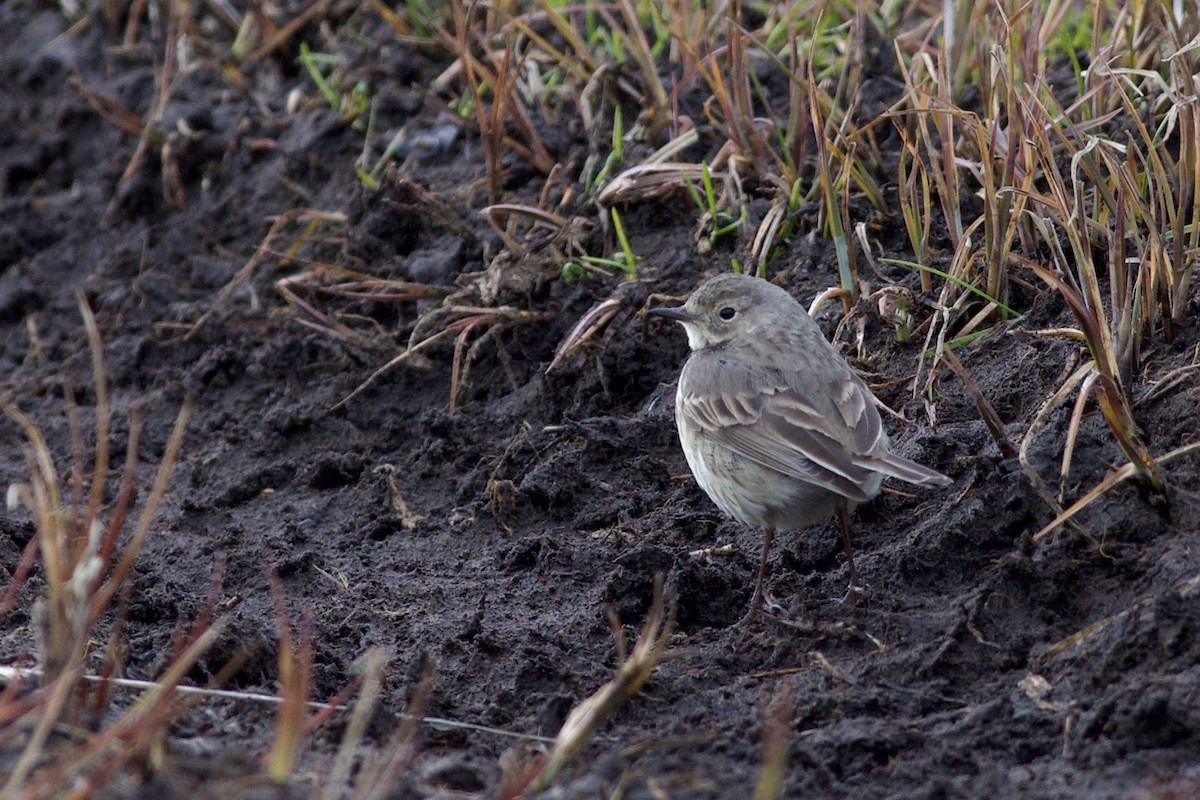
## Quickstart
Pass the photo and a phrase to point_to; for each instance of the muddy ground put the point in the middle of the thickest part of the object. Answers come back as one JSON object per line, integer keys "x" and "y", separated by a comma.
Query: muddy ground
{"x": 489, "y": 540}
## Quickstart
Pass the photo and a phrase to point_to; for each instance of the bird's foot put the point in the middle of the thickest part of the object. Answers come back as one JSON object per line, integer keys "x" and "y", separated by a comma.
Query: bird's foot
{"x": 767, "y": 608}
{"x": 764, "y": 605}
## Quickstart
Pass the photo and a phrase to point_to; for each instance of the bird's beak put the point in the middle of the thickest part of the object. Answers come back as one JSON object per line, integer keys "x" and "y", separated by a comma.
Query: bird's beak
{"x": 678, "y": 313}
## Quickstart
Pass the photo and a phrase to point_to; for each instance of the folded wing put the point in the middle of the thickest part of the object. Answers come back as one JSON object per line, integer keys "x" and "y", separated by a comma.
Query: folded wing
{"x": 837, "y": 448}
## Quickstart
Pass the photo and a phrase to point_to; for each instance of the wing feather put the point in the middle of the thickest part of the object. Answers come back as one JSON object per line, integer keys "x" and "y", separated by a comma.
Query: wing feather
{"x": 779, "y": 430}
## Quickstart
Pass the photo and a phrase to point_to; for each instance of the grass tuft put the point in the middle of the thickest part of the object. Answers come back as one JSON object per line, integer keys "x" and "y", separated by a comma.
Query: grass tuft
{"x": 86, "y": 560}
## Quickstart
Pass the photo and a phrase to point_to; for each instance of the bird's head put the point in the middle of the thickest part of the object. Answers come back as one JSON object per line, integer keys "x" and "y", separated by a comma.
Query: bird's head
{"x": 727, "y": 307}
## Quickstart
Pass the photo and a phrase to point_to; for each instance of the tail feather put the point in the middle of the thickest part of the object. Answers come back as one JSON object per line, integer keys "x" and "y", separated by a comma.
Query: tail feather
{"x": 895, "y": 466}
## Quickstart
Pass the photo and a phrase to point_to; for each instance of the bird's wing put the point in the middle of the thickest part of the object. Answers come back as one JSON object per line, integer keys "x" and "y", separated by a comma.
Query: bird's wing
{"x": 869, "y": 449}
{"x": 782, "y": 429}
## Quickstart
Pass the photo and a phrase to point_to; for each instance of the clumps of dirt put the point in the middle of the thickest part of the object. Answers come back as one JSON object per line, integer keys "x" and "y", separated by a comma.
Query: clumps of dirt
{"x": 492, "y": 541}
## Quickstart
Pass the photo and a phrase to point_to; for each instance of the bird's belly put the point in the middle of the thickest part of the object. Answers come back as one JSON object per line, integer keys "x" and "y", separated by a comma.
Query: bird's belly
{"x": 756, "y": 495}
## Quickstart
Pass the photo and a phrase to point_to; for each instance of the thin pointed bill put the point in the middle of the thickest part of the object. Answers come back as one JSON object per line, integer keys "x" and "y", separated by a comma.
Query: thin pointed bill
{"x": 677, "y": 313}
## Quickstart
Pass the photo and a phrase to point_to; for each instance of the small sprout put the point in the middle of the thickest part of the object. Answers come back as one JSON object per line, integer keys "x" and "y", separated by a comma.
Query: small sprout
{"x": 614, "y": 155}
{"x": 1008, "y": 312}
{"x": 896, "y": 307}
{"x": 626, "y": 261}
{"x": 572, "y": 271}
{"x": 351, "y": 105}
{"x": 715, "y": 220}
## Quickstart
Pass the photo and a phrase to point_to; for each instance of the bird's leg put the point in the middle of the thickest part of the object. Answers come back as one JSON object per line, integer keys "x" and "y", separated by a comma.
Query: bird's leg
{"x": 856, "y": 591}
{"x": 844, "y": 519}
{"x": 756, "y": 600}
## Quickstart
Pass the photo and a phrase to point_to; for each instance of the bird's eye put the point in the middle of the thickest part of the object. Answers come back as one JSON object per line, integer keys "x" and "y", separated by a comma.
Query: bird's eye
{"x": 727, "y": 313}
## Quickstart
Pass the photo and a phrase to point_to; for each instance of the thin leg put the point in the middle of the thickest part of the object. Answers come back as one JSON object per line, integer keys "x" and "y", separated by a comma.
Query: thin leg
{"x": 844, "y": 518}
{"x": 856, "y": 589}
{"x": 756, "y": 600}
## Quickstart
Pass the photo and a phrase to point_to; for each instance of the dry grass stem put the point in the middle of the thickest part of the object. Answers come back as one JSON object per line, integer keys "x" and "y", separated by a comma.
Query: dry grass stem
{"x": 586, "y": 718}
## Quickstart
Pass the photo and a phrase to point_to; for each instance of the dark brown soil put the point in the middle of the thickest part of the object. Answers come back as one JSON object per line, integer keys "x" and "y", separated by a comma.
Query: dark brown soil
{"x": 489, "y": 541}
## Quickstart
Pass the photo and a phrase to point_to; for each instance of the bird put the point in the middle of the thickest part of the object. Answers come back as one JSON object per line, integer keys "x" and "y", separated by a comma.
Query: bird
{"x": 777, "y": 428}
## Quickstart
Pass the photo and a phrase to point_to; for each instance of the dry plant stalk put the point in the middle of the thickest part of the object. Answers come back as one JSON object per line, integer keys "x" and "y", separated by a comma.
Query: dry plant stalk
{"x": 295, "y": 689}
{"x": 777, "y": 722}
{"x": 1114, "y": 478}
{"x": 1113, "y": 207}
{"x": 294, "y": 724}
{"x": 84, "y": 571}
{"x": 506, "y": 108}
{"x": 587, "y": 717}
{"x": 364, "y": 706}
{"x": 377, "y": 779}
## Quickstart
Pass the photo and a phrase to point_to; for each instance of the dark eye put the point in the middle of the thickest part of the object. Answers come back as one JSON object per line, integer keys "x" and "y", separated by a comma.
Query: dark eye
{"x": 727, "y": 313}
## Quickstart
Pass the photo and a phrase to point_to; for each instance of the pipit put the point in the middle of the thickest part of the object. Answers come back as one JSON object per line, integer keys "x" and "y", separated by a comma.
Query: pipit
{"x": 777, "y": 428}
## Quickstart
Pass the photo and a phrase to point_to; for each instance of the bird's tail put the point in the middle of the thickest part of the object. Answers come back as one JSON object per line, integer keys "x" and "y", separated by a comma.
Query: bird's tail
{"x": 895, "y": 466}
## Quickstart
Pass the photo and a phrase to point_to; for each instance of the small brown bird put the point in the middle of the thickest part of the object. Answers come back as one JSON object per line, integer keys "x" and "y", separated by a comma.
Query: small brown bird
{"x": 777, "y": 428}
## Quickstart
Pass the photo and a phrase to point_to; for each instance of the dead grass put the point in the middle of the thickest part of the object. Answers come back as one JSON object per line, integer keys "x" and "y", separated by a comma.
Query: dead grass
{"x": 1078, "y": 137}
{"x": 85, "y": 555}
{"x": 1047, "y": 147}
